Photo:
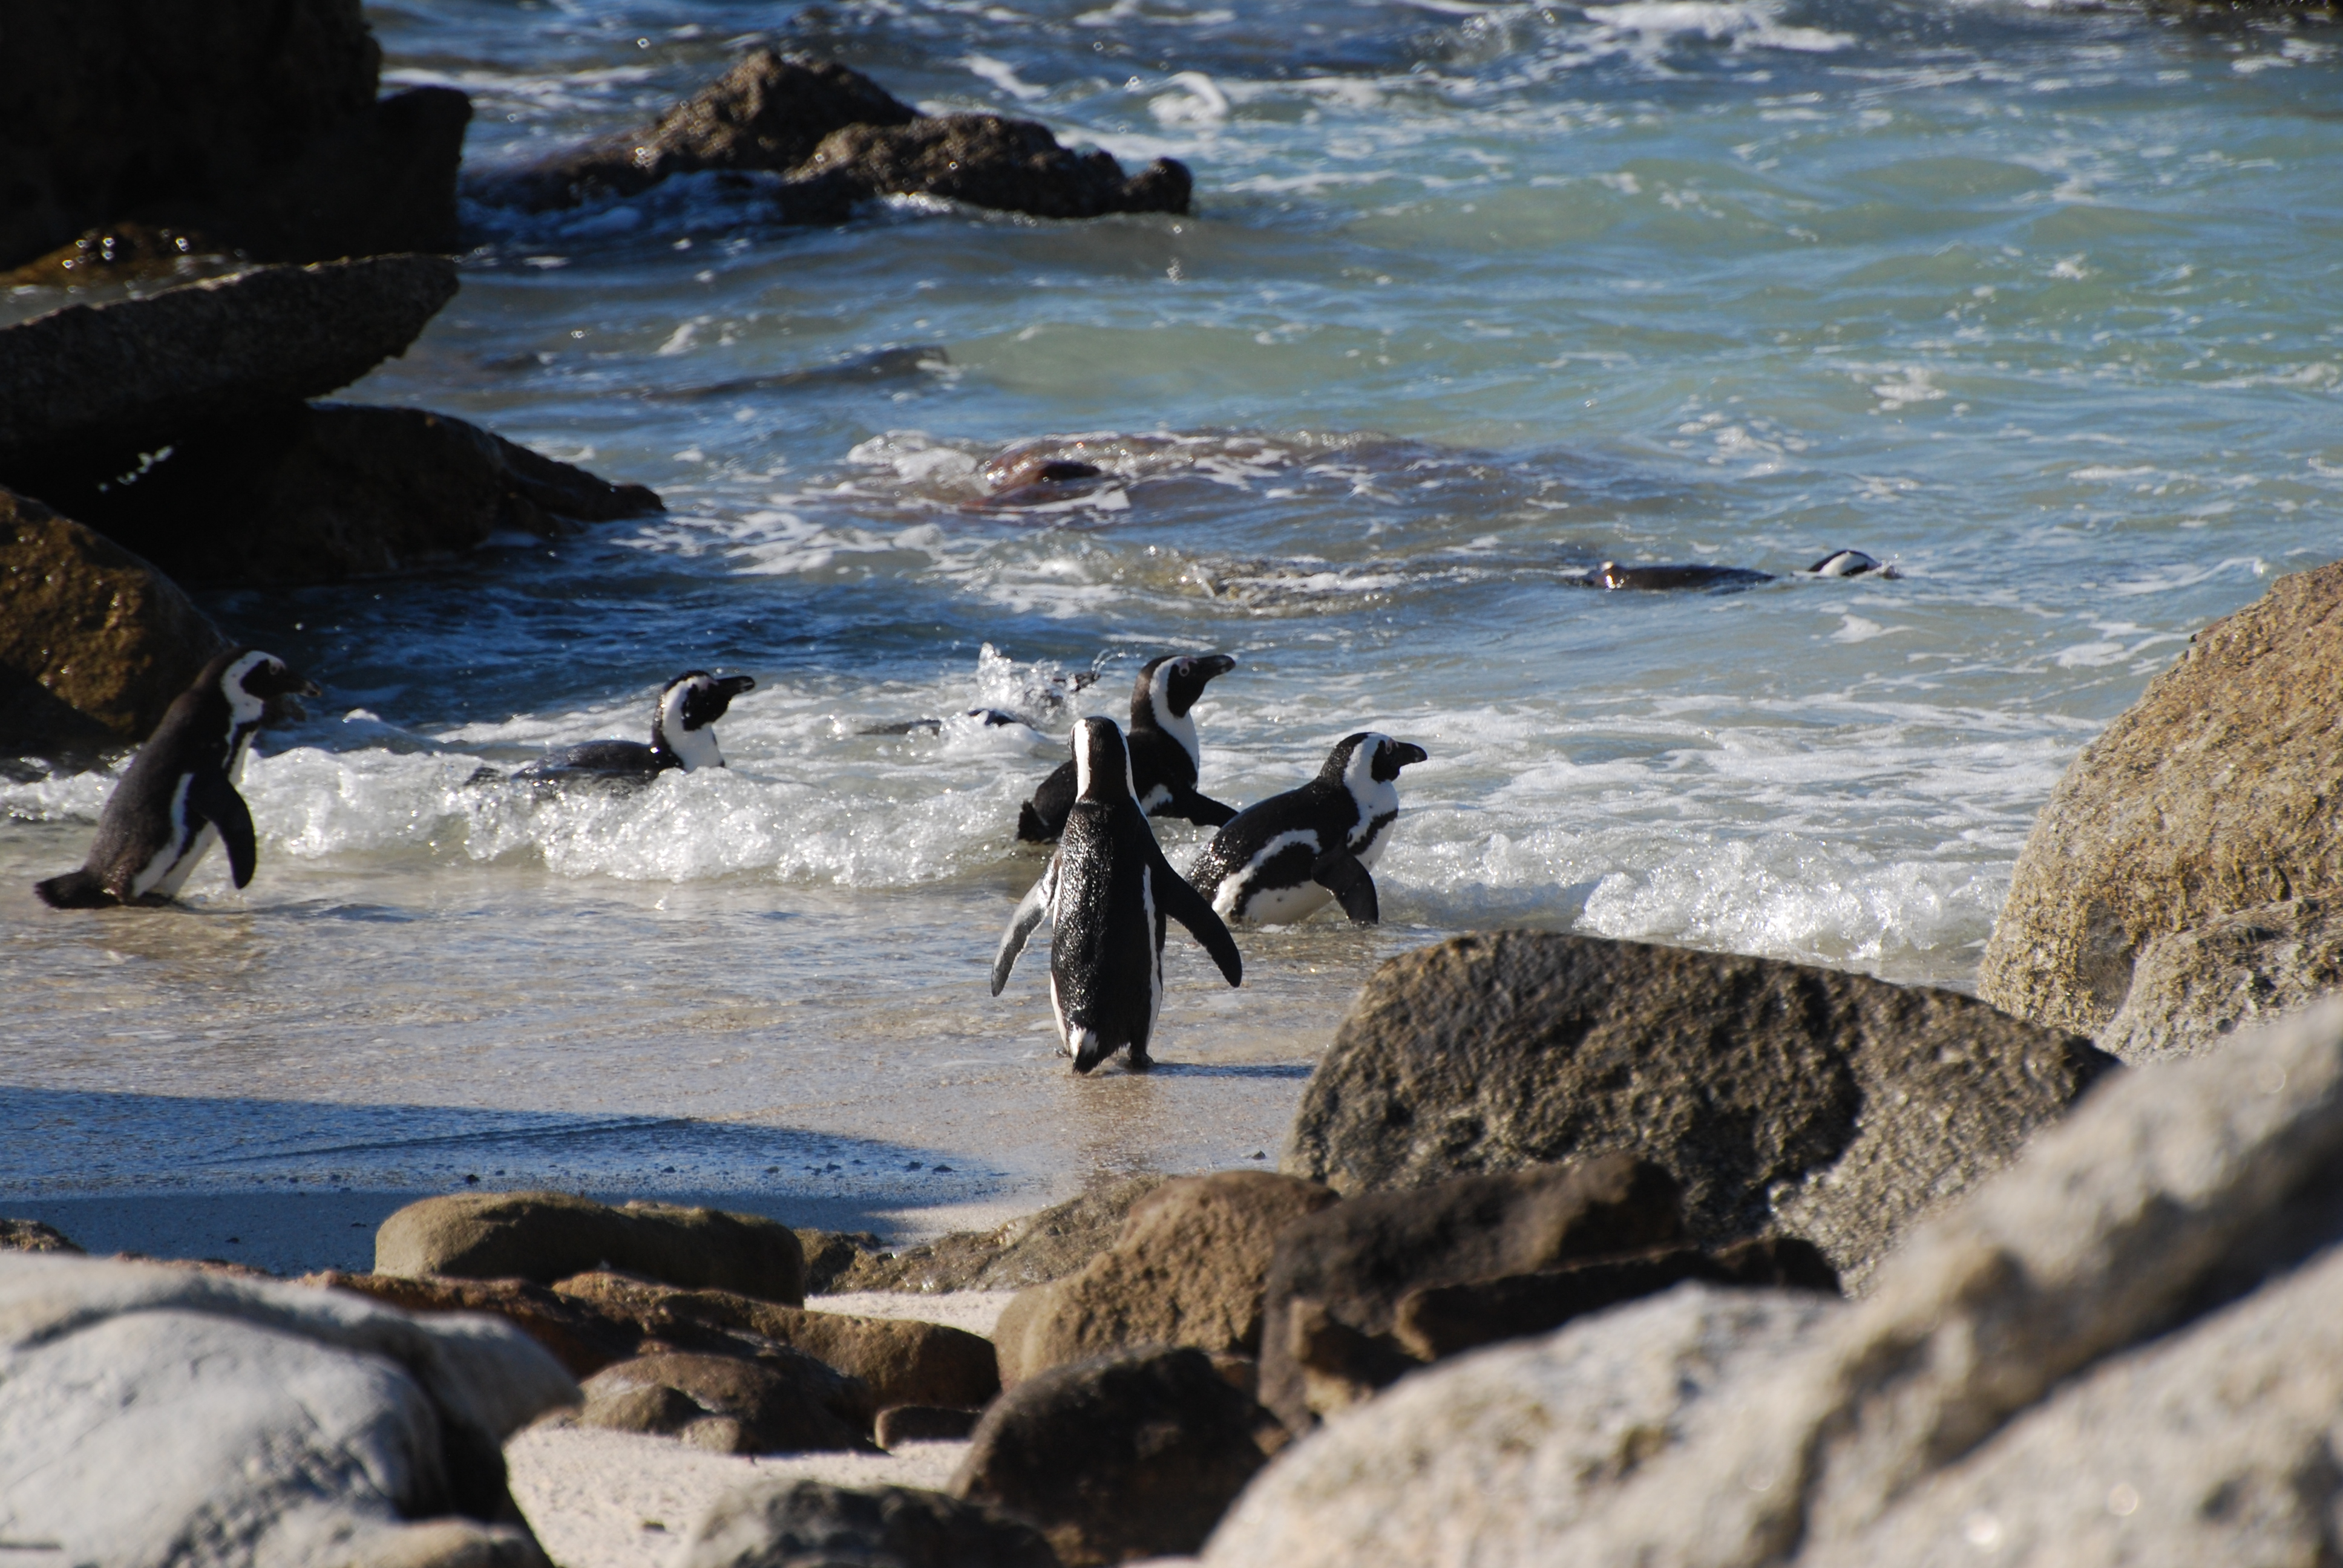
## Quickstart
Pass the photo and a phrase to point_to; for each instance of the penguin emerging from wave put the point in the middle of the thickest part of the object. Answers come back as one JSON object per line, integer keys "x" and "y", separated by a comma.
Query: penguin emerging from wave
{"x": 1697, "y": 576}
{"x": 1166, "y": 758}
{"x": 178, "y": 797}
{"x": 1283, "y": 860}
{"x": 683, "y": 735}
{"x": 1109, "y": 891}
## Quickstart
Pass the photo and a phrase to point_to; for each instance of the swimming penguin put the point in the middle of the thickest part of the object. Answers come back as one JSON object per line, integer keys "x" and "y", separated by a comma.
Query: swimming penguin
{"x": 682, "y": 736}
{"x": 1165, "y": 757}
{"x": 1108, "y": 890}
{"x": 1849, "y": 564}
{"x": 1283, "y": 859}
{"x": 178, "y": 797}
{"x": 1613, "y": 577}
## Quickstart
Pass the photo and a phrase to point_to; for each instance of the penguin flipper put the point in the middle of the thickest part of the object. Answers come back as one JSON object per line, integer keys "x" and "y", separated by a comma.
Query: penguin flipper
{"x": 1339, "y": 872}
{"x": 1177, "y": 898}
{"x": 1191, "y": 805}
{"x": 1043, "y": 817}
{"x": 1030, "y": 912}
{"x": 225, "y": 809}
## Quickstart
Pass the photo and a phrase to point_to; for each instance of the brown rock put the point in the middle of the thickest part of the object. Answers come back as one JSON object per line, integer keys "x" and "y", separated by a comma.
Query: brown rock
{"x": 91, "y": 382}
{"x": 1440, "y": 1321}
{"x": 806, "y": 1524}
{"x": 2192, "y": 990}
{"x": 904, "y": 1363}
{"x": 984, "y": 160}
{"x": 381, "y": 183}
{"x": 1029, "y": 1250}
{"x": 1784, "y": 1097}
{"x": 925, "y": 1424}
{"x": 32, "y": 1236}
{"x": 2220, "y": 789}
{"x": 97, "y": 642}
{"x": 582, "y": 1340}
{"x": 122, "y": 253}
{"x": 549, "y": 1236}
{"x": 830, "y": 1255}
{"x": 1187, "y": 1270}
{"x": 768, "y": 113}
{"x": 731, "y": 1405}
{"x": 1131, "y": 1456}
{"x": 1332, "y": 1302}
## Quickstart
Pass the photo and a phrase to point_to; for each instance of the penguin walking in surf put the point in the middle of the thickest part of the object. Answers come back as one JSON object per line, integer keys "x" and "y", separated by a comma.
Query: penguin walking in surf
{"x": 683, "y": 735}
{"x": 1166, "y": 758}
{"x": 178, "y": 797}
{"x": 1283, "y": 860}
{"x": 1108, "y": 890}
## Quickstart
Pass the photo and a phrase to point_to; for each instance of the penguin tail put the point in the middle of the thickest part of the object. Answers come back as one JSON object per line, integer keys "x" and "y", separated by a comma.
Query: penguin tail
{"x": 74, "y": 890}
{"x": 1031, "y": 829}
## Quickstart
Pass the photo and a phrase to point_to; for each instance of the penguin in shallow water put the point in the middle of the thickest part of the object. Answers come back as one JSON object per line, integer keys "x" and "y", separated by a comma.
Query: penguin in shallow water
{"x": 683, "y": 735}
{"x": 1166, "y": 758}
{"x": 1850, "y": 564}
{"x": 1109, "y": 891}
{"x": 1283, "y": 860}
{"x": 178, "y": 798}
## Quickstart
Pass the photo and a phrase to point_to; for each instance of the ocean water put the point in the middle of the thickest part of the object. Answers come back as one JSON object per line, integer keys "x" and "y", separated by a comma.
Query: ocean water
{"x": 2040, "y": 304}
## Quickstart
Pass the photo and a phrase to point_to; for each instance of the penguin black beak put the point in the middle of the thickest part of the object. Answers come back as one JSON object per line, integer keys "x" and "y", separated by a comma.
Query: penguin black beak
{"x": 1404, "y": 753}
{"x": 732, "y": 686}
{"x": 1212, "y": 665}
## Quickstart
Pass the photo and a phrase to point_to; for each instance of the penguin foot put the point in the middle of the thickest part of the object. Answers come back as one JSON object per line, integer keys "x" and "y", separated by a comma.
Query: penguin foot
{"x": 75, "y": 891}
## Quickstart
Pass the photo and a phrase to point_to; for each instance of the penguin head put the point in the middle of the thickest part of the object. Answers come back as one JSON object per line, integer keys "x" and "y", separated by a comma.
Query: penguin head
{"x": 1359, "y": 762}
{"x": 1101, "y": 763}
{"x": 1169, "y": 686}
{"x": 1848, "y": 564}
{"x": 259, "y": 686}
{"x": 688, "y": 711}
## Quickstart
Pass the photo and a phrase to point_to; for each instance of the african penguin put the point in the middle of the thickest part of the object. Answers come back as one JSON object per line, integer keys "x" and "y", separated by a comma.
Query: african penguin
{"x": 1166, "y": 757}
{"x": 1613, "y": 577}
{"x": 682, "y": 736}
{"x": 1283, "y": 859}
{"x": 1849, "y": 564}
{"x": 179, "y": 795}
{"x": 1108, "y": 890}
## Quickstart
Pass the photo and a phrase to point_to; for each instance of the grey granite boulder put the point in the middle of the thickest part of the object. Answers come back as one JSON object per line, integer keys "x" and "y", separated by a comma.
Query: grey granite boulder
{"x": 1785, "y": 1097}
{"x": 2218, "y": 791}
{"x": 156, "y": 1414}
{"x": 2191, "y": 990}
{"x": 549, "y": 1236}
{"x": 781, "y": 1524}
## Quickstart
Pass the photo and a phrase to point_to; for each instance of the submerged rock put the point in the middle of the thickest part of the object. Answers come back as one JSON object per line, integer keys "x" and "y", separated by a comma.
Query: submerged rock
{"x": 984, "y": 160}
{"x": 1784, "y": 1098}
{"x": 2215, "y": 792}
{"x": 772, "y": 1523}
{"x": 160, "y": 1415}
{"x": 549, "y": 1236}
{"x": 95, "y": 644}
{"x": 2191, "y": 990}
{"x": 730, "y": 1405}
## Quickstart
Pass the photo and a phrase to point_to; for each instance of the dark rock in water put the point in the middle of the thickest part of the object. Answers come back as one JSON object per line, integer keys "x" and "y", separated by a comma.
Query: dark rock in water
{"x": 768, "y": 113}
{"x": 32, "y": 1236}
{"x": 1130, "y": 1455}
{"x": 304, "y": 493}
{"x": 1784, "y": 1098}
{"x": 731, "y": 1405}
{"x": 253, "y": 122}
{"x": 769, "y": 1523}
{"x": 1331, "y": 1298}
{"x": 1440, "y": 1321}
{"x": 95, "y": 642}
{"x": 550, "y": 1236}
{"x": 904, "y": 1423}
{"x": 984, "y": 160}
{"x": 132, "y": 375}
{"x": 1611, "y": 576}
{"x": 2191, "y": 990}
{"x": 1031, "y": 1250}
{"x": 2215, "y": 792}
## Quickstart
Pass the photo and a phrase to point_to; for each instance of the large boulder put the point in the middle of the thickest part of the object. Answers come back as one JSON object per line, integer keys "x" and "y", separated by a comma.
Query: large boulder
{"x": 90, "y": 382}
{"x": 1783, "y": 1097}
{"x": 2191, "y": 990}
{"x": 730, "y": 1405}
{"x": 767, "y": 113}
{"x": 1187, "y": 1270}
{"x": 2219, "y": 791}
{"x": 254, "y": 122}
{"x": 2119, "y": 1349}
{"x": 549, "y": 1236}
{"x": 984, "y": 160}
{"x": 97, "y": 642}
{"x": 1030, "y": 1250}
{"x": 774, "y": 1524}
{"x": 317, "y": 492}
{"x": 1330, "y": 1313}
{"x": 158, "y": 1414}
{"x": 1131, "y": 1456}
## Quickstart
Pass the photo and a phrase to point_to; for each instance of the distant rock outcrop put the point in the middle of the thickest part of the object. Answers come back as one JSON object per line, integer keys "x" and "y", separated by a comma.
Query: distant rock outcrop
{"x": 2219, "y": 791}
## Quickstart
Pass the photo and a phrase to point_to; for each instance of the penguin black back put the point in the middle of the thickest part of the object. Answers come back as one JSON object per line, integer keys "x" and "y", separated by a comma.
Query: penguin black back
{"x": 179, "y": 795}
{"x": 1166, "y": 757}
{"x": 683, "y": 735}
{"x": 1285, "y": 858}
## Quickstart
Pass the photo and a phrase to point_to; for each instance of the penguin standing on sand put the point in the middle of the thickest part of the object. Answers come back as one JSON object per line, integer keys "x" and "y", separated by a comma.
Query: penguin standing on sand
{"x": 1166, "y": 758}
{"x": 1109, "y": 890}
{"x": 178, "y": 798}
{"x": 1282, "y": 859}
{"x": 683, "y": 735}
